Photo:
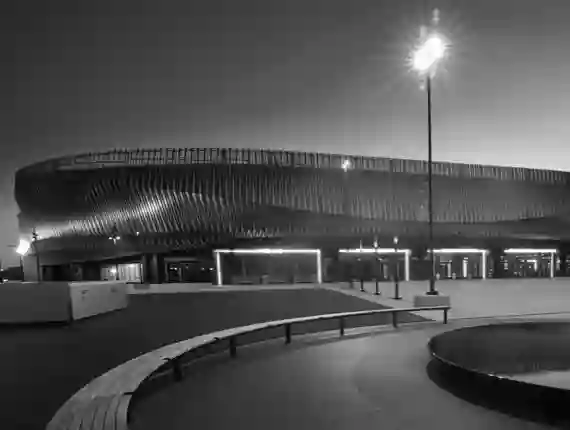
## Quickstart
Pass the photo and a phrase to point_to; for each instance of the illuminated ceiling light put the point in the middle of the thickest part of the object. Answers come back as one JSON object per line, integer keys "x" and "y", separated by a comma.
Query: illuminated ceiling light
{"x": 530, "y": 251}
{"x": 267, "y": 251}
{"x": 459, "y": 251}
{"x": 374, "y": 251}
{"x": 23, "y": 247}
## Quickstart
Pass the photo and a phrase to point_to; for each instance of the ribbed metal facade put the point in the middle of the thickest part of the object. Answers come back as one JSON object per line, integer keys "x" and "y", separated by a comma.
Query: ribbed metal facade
{"x": 185, "y": 198}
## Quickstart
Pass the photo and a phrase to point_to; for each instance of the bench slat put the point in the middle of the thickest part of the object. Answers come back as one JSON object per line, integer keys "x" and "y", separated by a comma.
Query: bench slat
{"x": 110, "y": 418}
{"x": 122, "y": 413}
{"x": 101, "y": 413}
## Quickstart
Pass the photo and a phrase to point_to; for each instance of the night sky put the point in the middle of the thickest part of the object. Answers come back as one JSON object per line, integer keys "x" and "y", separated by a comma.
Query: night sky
{"x": 322, "y": 75}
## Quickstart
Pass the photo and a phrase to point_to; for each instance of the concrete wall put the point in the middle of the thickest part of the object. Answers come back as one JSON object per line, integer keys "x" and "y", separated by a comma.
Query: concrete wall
{"x": 93, "y": 298}
{"x": 32, "y": 302}
{"x": 29, "y": 302}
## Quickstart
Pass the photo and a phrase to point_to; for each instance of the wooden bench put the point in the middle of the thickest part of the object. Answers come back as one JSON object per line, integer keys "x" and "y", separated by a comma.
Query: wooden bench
{"x": 103, "y": 403}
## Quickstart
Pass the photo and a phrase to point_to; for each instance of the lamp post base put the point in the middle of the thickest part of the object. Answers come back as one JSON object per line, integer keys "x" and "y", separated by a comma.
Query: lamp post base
{"x": 432, "y": 291}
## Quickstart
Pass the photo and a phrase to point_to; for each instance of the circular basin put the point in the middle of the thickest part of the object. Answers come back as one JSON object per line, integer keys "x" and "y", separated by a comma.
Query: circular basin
{"x": 522, "y": 369}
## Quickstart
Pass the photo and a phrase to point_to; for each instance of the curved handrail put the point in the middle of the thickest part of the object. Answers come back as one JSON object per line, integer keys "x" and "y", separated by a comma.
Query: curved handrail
{"x": 102, "y": 404}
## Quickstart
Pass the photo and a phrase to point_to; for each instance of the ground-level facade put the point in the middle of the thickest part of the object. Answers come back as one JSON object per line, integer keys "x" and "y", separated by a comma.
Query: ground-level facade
{"x": 180, "y": 214}
{"x": 311, "y": 265}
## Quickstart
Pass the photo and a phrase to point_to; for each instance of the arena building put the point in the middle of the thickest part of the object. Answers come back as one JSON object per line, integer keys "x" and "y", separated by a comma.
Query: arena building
{"x": 263, "y": 216}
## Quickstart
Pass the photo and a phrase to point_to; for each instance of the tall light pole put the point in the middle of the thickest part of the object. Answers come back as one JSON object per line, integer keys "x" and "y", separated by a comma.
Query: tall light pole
{"x": 376, "y": 268}
{"x": 425, "y": 60}
{"x": 396, "y": 271}
{"x": 35, "y": 238}
{"x": 346, "y": 165}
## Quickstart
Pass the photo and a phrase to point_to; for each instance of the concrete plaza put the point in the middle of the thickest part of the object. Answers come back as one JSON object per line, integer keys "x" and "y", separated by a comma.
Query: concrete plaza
{"x": 477, "y": 298}
{"x": 379, "y": 379}
{"x": 43, "y": 366}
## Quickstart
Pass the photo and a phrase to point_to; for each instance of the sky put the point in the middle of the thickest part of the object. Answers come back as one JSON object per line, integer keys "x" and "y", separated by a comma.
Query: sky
{"x": 315, "y": 75}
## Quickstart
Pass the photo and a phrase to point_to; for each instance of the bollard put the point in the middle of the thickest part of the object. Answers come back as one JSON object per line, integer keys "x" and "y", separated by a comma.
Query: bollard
{"x": 287, "y": 333}
{"x": 376, "y": 292}
{"x": 395, "y": 319}
{"x": 445, "y": 315}
{"x": 233, "y": 347}
{"x": 341, "y": 324}
{"x": 397, "y": 289}
{"x": 361, "y": 285}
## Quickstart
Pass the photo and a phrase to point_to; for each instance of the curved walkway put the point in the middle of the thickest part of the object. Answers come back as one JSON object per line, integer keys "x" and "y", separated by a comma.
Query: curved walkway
{"x": 376, "y": 381}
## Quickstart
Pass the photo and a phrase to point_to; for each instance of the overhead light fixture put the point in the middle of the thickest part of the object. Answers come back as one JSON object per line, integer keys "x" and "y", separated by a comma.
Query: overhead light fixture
{"x": 268, "y": 251}
{"x": 530, "y": 251}
{"x": 374, "y": 251}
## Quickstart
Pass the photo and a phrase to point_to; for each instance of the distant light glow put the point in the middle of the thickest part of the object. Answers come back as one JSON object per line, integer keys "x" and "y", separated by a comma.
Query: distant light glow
{"x": 23, "y": 247}
{"x": 429, "y": 53}
{"x": 346, "y": 164}
{"x": 113, "y": 271}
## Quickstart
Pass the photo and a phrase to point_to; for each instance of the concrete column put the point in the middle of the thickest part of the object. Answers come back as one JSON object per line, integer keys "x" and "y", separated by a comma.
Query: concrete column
{"x": 484, "y": 265}
{"x": 218, "y": 263}
{"x": 319, "y": 267}
{"x": 552, "y": 264}
{"x": 150, "y": 269}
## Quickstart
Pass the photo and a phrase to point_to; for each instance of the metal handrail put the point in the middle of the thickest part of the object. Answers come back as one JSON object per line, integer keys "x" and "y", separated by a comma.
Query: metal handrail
{"x": 114, "y": 389}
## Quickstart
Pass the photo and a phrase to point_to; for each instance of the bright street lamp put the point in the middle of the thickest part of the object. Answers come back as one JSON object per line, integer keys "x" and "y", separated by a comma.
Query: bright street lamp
{"x": 425, "y": 60}
{"x": 23, "y": 247}
{"x": 426, "y": 57}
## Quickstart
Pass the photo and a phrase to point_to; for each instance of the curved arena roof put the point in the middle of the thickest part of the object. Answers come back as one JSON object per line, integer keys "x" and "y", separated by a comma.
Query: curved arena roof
{"x": 180, "y": 198}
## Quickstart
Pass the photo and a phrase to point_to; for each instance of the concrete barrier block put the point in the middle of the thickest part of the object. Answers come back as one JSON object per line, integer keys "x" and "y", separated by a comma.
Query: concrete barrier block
{"x": 427, "y": 300}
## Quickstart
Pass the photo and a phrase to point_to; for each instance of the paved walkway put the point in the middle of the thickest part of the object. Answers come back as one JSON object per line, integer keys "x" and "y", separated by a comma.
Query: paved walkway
{"x": 476, "y": 299}
{"x": 41, "y": 367}
{"x": 365, "y": 382}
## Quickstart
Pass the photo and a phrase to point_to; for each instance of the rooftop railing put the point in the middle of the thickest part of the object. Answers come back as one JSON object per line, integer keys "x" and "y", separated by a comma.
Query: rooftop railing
{"x": 281, "y": 158}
